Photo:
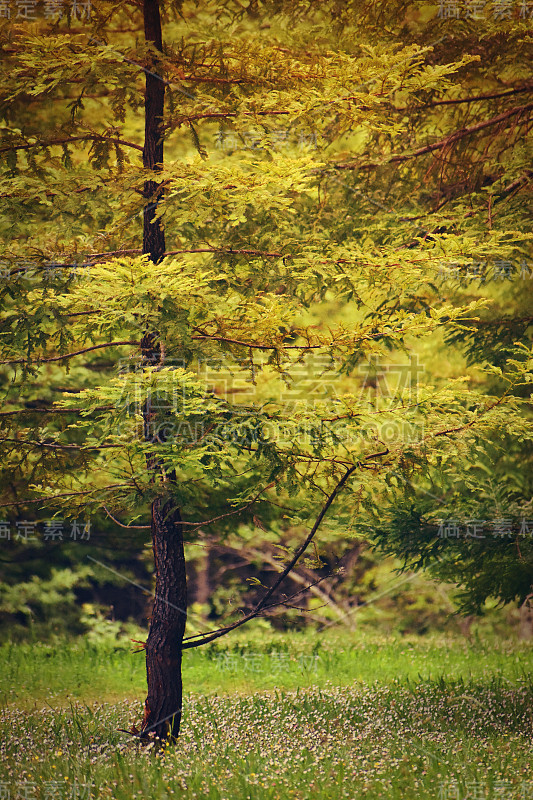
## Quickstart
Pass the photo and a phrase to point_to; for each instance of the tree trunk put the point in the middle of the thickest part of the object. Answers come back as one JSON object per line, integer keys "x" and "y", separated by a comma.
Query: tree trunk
{"x": 163, "y": 706}
{"x": 154, "y": 102}
{"x": 162, "y": 712}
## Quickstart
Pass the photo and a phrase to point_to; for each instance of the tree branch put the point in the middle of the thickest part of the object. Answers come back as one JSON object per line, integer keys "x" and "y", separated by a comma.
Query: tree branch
{"x": 298, "y": 578}
{"x": 51, "y": 411}
{"x": 51, "y": 498}
{"x": 300, "y": 551}
{"x": 128, "y": 527}
{"x": 66, "y": 140}
{"x": 526, "y": 88}
{"x": 68, "y": 355}
{"x": 430, "y": 148}
{"x": 204, "y": 522}
{"x": 177, "y": 121}
{"x": 220, "y": 250}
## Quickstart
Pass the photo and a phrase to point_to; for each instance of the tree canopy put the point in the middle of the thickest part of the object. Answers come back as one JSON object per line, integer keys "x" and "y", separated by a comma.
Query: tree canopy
{"x": 342, "y": 298}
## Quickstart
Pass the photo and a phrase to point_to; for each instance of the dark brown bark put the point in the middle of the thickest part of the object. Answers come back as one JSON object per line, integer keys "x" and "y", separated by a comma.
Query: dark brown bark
{"x": 154, "y": 101}
{"x": 163, "y": 706}
{"x": 162, "y": 712}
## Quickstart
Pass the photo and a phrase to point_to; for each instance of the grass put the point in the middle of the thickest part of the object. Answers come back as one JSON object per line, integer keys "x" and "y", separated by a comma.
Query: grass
{"x": 277, "y": 717}
{"x": 108, "y": 670}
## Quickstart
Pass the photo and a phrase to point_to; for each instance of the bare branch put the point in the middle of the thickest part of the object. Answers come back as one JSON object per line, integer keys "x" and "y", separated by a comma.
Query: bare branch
{"x": 56, "y": 446}
{"x": 230, "y": 513}
{"x": 300, "y": 551}
{"x": 218, "y": 250}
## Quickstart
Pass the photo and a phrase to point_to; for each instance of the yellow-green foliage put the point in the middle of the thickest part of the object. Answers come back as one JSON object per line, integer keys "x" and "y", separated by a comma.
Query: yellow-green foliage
{"x": 333, "y": 172}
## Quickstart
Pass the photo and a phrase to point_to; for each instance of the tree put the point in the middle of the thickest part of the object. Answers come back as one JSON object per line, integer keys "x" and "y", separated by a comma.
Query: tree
{"x": 264, "y": 265}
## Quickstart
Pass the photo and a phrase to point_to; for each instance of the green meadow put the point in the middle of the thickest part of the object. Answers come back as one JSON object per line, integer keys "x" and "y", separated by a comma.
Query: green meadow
{"x": 272, "y": 716}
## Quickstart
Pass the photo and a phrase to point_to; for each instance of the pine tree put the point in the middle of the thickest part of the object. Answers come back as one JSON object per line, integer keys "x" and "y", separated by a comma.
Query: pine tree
{"x": 311, "y": 173}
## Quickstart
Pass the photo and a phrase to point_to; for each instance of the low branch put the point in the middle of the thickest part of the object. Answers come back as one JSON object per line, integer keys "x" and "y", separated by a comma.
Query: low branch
{"x": 68, "y": 139}
{"x": 204, "y": 522}
{"x": 51, "y": 498}
{"x": 51, "y": 411}
{"x": 69, "y": 355}
{"x": 300, "y": 551}
{"x": 201, "y": 335}
{"x": 56, "y": 446}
